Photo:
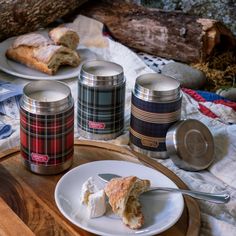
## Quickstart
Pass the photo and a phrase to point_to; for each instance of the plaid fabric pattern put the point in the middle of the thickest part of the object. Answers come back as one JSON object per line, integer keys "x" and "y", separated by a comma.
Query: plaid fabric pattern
{"x": 47, "y": 139}
{"x": 101, "y": 109}
{"x": 150, "y": 122}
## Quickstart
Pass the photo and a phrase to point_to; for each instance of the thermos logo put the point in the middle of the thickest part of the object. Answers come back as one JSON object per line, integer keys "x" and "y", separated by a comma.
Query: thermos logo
{"x": 150, "y": 143}
{"x": 96, "y": 125}
{"x": 39, "y": 157}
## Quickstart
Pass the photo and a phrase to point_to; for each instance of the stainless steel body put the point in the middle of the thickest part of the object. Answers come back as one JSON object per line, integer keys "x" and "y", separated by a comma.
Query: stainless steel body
{"x": 156, "y": 105}
{"x": 101, "y": 100}
{"x": 48, "y": 170}
{"x": 212, "y": 197}
{"x": 47, "y": 127}
{"x": 190, "y": 145}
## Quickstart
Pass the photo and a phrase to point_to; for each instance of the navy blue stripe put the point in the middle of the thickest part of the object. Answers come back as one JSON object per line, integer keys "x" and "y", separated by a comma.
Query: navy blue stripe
{"x": 155, "y": 107}
{"x": 149, "y": 129}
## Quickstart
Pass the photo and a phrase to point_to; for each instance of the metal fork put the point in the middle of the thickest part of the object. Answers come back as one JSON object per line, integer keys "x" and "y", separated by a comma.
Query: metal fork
{"x": 211, "y": 197}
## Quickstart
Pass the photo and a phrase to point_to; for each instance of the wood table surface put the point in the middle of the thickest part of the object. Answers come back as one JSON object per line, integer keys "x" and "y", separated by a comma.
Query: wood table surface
{"x": 27, "y": 202}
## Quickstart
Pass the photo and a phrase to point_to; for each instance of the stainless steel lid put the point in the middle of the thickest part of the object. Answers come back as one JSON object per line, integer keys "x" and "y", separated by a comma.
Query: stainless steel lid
{"x": 46, "y": 97}
{"x": 101, "y": 73}
{"x": 190, "y": 145}
{"x": 155, "y": 87}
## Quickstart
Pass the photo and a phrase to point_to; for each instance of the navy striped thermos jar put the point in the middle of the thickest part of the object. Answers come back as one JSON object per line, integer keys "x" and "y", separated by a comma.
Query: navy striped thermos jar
{"x": 156, "y": 106}
{"x": 101, "y": 100}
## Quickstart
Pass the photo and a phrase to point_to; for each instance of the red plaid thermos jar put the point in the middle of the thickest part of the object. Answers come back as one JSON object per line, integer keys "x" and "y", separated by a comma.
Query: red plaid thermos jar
{"x": 101, "y": 100}
{"x": 155, "y": 107}
{"x": 47, "y": 127}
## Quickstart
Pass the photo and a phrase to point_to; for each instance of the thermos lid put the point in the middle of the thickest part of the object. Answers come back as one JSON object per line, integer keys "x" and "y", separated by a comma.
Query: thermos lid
{"x": 190, "y": 145}
{"x": 155, "y": 87}
{"x": 101, "y": 73}
{"x": 46, "y": 97}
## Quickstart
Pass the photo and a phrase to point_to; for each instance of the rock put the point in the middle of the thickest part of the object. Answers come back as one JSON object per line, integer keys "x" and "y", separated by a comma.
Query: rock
{"x": 188, "y": 76}
{"x": 229, "y": 93}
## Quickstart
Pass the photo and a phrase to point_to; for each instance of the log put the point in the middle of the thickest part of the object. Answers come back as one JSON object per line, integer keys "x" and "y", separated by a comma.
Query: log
{"x": 22, "y": 16}
{"x": 172, "y": 35}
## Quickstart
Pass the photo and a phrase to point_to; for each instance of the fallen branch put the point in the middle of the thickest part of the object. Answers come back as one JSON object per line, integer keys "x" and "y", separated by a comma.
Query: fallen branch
{"x": 173, "y": 35}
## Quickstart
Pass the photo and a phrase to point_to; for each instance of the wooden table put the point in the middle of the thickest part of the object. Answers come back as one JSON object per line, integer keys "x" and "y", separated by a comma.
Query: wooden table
{"x": 27, "y": 203}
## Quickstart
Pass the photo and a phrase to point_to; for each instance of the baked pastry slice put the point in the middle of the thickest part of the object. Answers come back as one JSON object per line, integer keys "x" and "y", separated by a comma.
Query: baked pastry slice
{"x": 31, "y": 40}
{"x": 64, "y": 36}
{"x": 123, "y": 194}
{"x": 37, "y": 52}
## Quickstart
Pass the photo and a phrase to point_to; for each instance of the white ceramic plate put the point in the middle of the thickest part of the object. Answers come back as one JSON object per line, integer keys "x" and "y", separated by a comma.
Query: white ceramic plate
{"x": 20, "y": 70}
{"x": 161, "y": 210}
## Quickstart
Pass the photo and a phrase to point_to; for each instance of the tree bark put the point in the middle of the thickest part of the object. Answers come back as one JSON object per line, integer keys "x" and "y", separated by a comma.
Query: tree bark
{"x": 173, "y": 35}
{"x": 22, "y": 16}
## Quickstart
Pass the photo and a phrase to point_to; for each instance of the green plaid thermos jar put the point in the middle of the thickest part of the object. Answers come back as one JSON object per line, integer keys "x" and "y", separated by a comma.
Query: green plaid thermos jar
{"x": 101, "y": 100}
{"x": 47, "y": 127}
{"x": 155, "y": 107}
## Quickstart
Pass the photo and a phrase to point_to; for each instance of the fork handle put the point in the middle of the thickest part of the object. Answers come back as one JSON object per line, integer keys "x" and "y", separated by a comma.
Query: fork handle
{"x": 212, "y": 197}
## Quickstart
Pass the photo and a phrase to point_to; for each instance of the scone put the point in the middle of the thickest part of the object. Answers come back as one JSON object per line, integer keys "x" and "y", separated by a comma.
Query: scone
{"x": 64, "y": 36}
{"x": 123, "y": 194}
{"x": 38, "y": 52}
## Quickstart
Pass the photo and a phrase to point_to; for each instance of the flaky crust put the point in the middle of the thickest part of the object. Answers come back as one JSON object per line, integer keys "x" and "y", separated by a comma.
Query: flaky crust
{"x": 67, "y": 37}
{"x": 118, "y": 191}
{"x": 35, "y": 52}
{"x": 31, "y": 40}
{"x": 123, "y": 196}
{"x": 23, "y": 54}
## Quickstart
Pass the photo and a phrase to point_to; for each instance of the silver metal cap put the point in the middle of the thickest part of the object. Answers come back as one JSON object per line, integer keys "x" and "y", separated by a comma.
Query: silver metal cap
{"x": 190, "y": 145}
{"x": 101, "y": 73}
{"x": 55, "y": 105}
{"x": 155, "y": 87}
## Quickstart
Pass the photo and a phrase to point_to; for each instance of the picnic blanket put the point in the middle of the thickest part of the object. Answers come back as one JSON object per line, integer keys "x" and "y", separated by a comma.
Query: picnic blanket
{"x": 215, "y": 112}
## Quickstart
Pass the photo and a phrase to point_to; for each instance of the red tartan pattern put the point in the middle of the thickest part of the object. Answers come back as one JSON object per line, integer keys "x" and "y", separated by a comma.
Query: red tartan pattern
{"x": 51, "y": 136}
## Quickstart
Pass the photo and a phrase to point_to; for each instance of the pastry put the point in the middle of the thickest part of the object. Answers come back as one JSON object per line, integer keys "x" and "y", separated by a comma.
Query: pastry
{"x": 123, "y": 194}
{"x": 31, "y": 40}
{"x": 64, "y": 36}
{"x": 38, "y": 52}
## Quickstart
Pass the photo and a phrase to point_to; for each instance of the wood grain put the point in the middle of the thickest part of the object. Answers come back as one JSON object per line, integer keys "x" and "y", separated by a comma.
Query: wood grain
{"x": 31, "y": 196}
{"x": 21, "y": 16}
{"x": 170, "y": 34}
{"x": 8, "y": 153}
{"x": 10, "y": 223}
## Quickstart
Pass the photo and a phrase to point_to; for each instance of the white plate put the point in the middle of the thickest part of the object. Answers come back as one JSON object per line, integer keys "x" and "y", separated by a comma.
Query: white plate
{"x": 20, "y": 70}
{"x": 161, "y": 210}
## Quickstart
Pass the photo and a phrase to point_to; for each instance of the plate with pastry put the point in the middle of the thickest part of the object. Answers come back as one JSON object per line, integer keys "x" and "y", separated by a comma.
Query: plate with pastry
{"x": 42, "y": 55}
{"x": 123, "y": 206}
